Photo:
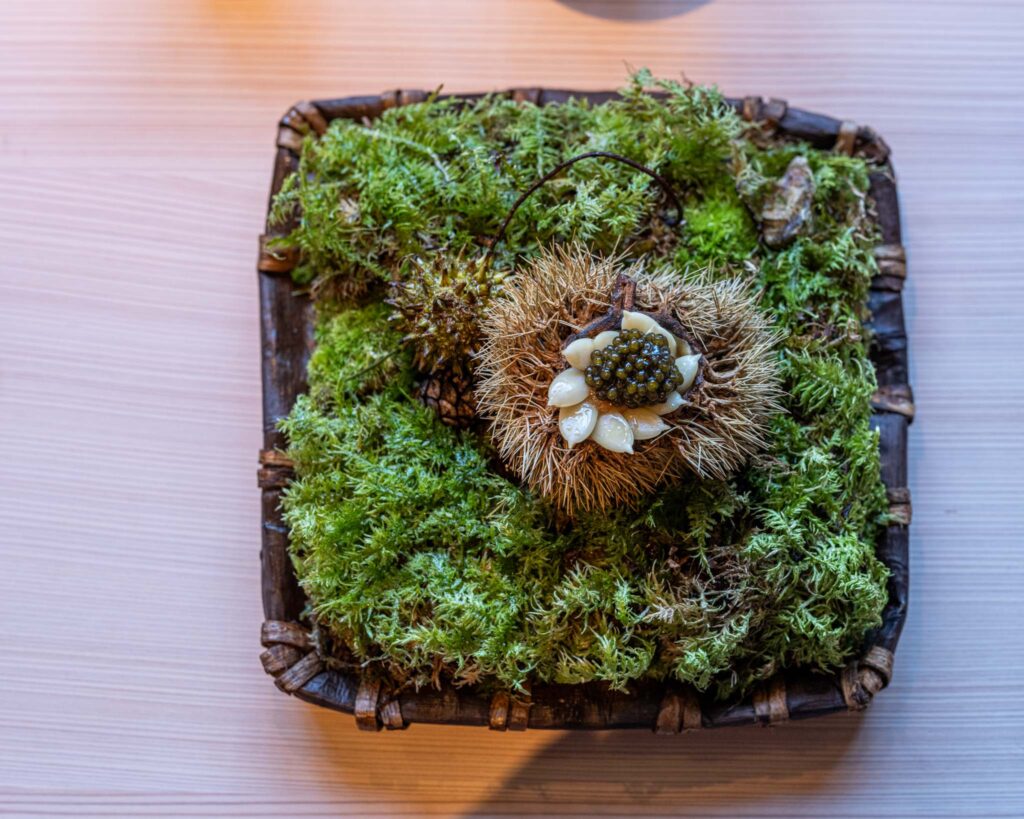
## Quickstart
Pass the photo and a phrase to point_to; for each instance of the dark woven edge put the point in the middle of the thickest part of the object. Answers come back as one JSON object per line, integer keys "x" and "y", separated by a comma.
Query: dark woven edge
{"x": 287, "y": 339}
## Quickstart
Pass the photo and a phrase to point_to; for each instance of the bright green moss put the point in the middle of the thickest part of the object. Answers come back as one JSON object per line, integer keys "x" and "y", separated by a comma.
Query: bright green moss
{"x": 356, "y": 352}
{"x": 719, "y": 230}
{"x": 422, "y": 559}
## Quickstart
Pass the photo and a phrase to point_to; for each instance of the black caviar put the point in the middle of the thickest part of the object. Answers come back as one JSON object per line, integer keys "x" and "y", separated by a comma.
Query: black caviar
{"x": 635, "y": 370}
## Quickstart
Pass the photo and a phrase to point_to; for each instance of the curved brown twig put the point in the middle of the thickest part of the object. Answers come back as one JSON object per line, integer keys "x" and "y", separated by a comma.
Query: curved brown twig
{"x": 657, "y": 177}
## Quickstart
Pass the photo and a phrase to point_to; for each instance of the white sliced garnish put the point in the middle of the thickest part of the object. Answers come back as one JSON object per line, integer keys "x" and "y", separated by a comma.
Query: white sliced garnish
{"x": 602, "y": 340}
{"x": 645, "y": 423}
{"x": 614, "y": 433}
{"x": 577, "y": 422}
{"x": 638, "y": 321}
{"x": 687, "y": 366}
{"x": 578, "y": 353}
{"x": 683, "y": 346}
{"x": 567, "y": 388}
{"x": 673, "y": 402}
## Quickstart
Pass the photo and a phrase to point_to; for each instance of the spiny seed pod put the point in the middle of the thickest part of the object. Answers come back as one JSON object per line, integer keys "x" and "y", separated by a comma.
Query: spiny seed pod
{"x": 438, "y": 307}
{"x": 529, "y": 333}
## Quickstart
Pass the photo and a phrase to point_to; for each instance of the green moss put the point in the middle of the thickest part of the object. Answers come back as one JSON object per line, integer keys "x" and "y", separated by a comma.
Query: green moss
{"x": 357, "y": 351}
{"x": 719, "y": 230}
{"x": 423, "y": 559}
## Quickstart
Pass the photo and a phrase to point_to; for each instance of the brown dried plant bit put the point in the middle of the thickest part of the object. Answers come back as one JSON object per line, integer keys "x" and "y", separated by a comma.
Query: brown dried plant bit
{"x": 450, "y": 395}
{"x": 787, "y": 210}
{"x": 720, "y": 423}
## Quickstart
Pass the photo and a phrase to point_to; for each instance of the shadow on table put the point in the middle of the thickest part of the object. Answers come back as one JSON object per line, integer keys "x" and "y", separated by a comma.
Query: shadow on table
{"x": 725, "y": 772}
{"x": 633, "y": 9}
{"x": 472, "y": 771}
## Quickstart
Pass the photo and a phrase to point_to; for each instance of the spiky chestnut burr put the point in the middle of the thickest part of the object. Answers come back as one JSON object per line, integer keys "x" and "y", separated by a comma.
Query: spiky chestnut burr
{"x": 438, "y": 306}
{"x": 717, "y": 425}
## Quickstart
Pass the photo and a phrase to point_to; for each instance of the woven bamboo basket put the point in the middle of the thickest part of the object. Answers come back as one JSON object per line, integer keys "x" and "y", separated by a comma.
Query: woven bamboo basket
{"x": 290, "y": 654}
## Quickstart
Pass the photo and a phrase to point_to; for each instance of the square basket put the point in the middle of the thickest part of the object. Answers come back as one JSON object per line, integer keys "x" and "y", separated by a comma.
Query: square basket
{"x": 292, "y": 657}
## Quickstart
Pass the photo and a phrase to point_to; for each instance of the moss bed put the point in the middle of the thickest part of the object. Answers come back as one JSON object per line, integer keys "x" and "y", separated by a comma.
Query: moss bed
{"x": 421, "y": 559}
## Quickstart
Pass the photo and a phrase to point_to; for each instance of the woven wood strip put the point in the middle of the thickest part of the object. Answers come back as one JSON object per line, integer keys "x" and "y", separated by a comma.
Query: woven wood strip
{"x": 501, "y": 703}
{"x": 862, "y": 680}
{"x": 897, "y": 398}
{"x": 770, "y": 704}
{"x": 670, "y": 714}
{"x": 871, "y": 146}
{"x": 366, "y": 704}
{"x": 531, "y": 95}
{"x": 892, "y": 260}
{"x": 294, "y": 119}
{"x": 846, "y": 140}
{"x": 519, "y": 711}
{"x": 391, "y": 715}
{"x": 288, "y": 633}
{"x": 311, "y": 114}
{"x": 892, "y": 267}
{"x": 289, "y": 139}
{"x": 880, "y": 660}
{"x": 771, "y": 112}
{"x": 854, "y": 694}
{"x": 886, "y": 201}
{"x": 900, "y": 507}
{"x": 817, "y": 129}
{"x": 300, "y": 673}
{"x": 679, "y": 711}
{"x": 276, "y": 261}
{"x": 276, "y": 469}
{"x": 279, "y": 658}
{"x": 274, "y": 457}
{"x": 274, "y": 477}
{"x": 692, "y": 718}
{"x": 774, "y": 111}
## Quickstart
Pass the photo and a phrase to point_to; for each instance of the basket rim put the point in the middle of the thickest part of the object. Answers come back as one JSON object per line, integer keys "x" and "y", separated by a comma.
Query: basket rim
{"x": 286, "y": 320}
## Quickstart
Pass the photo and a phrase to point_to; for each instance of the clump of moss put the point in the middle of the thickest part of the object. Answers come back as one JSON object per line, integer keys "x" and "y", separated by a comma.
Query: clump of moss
{"x": 422, "y": 558}
{"x": 357, "y": 352}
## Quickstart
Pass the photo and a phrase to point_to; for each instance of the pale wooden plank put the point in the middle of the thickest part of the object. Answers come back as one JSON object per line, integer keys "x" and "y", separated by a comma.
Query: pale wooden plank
{"x": 135, "y": 149}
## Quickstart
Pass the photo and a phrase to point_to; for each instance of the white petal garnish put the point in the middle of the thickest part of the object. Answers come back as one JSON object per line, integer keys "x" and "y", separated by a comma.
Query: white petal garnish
{"x": 683, "y": 346}
{"x": 567, "y": 388}
{"x": 687, "y": 366}
{"x": 645, "y": 423}
{"x": 602, "y": 340}
{"x": 614, "y": 433}
{"x": 578, "y": 353}
{"x": 638, "y": 321}
{"x": 577, "y": 422}
{"x": 673, "y": 402}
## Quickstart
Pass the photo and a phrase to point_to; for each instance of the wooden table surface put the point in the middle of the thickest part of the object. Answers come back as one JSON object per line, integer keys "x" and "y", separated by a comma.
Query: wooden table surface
{"x": 136, "y": 141}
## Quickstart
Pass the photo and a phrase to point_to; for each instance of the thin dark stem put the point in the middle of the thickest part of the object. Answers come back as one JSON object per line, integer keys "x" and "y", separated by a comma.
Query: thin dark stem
{"x": 666, "y": 186}
{"x": 375, "y": 363}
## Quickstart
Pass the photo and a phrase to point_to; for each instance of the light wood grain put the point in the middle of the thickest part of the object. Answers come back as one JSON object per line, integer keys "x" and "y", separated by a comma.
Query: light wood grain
{"x": 135, "y": 151}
